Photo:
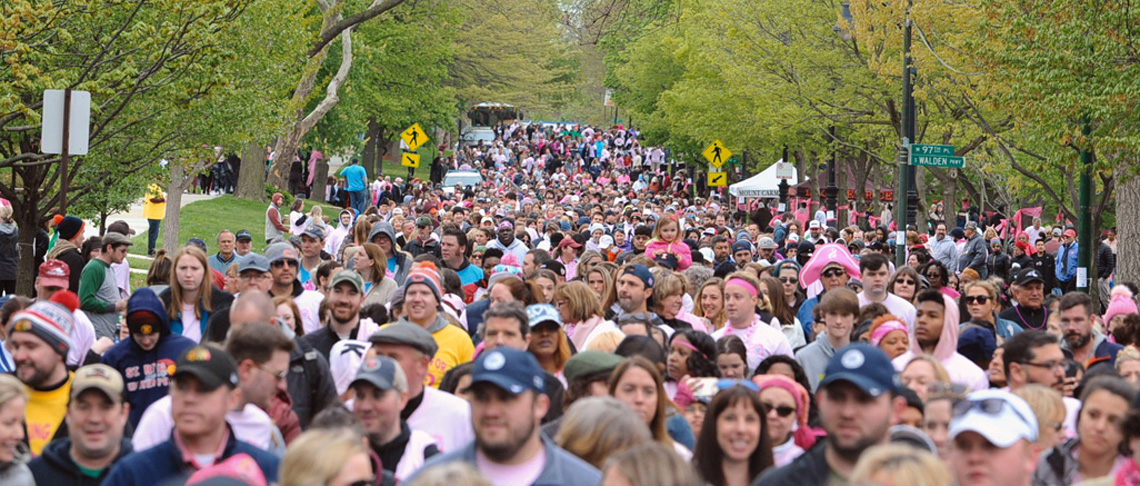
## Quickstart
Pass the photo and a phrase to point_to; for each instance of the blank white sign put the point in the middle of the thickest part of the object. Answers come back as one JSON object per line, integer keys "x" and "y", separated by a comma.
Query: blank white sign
{"x": 51, "y": 133}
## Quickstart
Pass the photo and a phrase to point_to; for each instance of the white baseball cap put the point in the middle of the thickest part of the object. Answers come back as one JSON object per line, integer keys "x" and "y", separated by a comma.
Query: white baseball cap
{"x": 1000, "y": 416}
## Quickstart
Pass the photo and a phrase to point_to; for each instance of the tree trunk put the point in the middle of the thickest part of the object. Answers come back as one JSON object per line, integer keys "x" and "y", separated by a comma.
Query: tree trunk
{"x": 371, "y": 147}
{"x": 1128, "y": 231}
{"x": 28, "y": 222}
{"x": 170, "y": 221}
{"x": 920, "y": 211}
{"x": 251, "y": 177}
{"x": 320, "y": 181}
{"x": 287, "y": 146}
{"x": 392, "y": 152}
{"x": 949, "y": 198}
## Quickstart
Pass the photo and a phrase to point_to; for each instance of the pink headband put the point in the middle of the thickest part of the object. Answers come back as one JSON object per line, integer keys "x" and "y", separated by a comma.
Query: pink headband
{"x": 690, "y": 346}
{"x": 745, "y": 284}
{"x": 886, "y": 328}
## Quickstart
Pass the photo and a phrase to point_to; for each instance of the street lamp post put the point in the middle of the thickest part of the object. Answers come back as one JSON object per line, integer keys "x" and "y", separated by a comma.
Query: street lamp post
{"x": 907, "y": 198}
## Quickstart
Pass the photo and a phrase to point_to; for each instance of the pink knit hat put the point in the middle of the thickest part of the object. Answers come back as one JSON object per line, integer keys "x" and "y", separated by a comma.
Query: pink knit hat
{"x": 1121, "y": 304}
{"x": 803, "y": 435}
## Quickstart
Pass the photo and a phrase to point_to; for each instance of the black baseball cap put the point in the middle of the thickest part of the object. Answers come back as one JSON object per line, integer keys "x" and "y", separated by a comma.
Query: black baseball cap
{"x": 212, "y": 366}
{"x": 1027, "y": 276}
{"x": 243, "y": 235}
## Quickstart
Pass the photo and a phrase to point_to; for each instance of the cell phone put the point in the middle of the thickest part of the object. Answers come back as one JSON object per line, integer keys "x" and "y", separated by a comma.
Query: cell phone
{"x": 705, "y": 388}
{"x": 1072, "y": 368}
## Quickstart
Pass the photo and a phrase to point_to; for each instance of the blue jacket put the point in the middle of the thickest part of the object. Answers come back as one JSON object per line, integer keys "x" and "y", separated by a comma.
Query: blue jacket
{"x": 1069, "y": 252}
{"x": 162, "y": 464}
{"x": 562, "y": 468}
{"x": 805, "y": 317}
{"x": 55, "y": 465}
{"x": 144, "y": 372}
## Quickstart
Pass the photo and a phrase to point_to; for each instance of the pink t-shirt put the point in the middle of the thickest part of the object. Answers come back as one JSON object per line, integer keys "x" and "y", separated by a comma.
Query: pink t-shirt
{"x": 525, "y": 473}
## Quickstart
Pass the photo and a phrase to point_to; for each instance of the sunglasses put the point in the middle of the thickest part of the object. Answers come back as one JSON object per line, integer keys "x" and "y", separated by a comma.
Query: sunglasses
{"x": 980, "y": 299}
{"x": 905, "y": 281}
{"x": 282, "y": 263}
{"x": 988, "y": 406}
{"x": 832, "y": 272}
{"x": 946, "y": 389}
{"x": 788, "y": 279}
{"x": 782, "y": 411}
{"x": 934, "y": 275}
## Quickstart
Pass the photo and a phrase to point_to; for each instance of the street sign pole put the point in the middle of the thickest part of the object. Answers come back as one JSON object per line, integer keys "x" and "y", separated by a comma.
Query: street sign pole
{"x": 63, "y": 155}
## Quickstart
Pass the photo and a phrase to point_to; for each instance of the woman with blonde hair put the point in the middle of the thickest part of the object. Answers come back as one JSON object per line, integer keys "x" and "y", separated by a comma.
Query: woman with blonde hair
{"x": 9, "y": 254}
{"x": 1049, "y": 408}
{"x": 332, "y": 457}
{"x": 14, "y": 453}
{"x": 371, "y": 263}
{"x": 601, "y": 280}
{"x": 595, "y": 428}
{"x": 192, "y": 296}
{"x": 709, "y": 302}
{"x": 1128, "y": 365}
{"x": 606, "y": 342}
{"x": 581, "y": 313}
{"x": 921, "y": 371}
{"x": 649, "y": 464}
{"x": 669, "y": 295}
{"x": 896, "y": 464}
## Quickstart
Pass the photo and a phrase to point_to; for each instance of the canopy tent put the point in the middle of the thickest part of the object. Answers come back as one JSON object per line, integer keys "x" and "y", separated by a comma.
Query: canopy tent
{"x": 763, "y": 185}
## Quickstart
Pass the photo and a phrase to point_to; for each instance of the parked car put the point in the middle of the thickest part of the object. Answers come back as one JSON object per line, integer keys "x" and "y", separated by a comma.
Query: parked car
{"x": 461, "y": 178}
{"x": 475, "y": 135}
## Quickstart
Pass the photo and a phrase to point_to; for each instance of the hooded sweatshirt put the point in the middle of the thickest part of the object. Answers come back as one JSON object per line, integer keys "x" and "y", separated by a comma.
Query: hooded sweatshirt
{"x": 961, "y": 370}
{"x": 145, "y": 372}
{"x": 55, "y": 465}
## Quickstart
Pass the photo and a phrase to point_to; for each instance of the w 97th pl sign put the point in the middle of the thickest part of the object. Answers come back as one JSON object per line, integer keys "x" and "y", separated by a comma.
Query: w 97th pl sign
{"x": 935, "y": 156}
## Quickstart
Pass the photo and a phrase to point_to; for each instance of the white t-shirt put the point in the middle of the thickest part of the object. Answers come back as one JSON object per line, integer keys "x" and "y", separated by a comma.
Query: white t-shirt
{"x": 445, "y": 417}
{"x": 191, "y": 325}
{"x": 250, "y": 425}
{"x": 502, "y": 475}
{"x": 761, "y": 340}
{"x": 898, "y": 306}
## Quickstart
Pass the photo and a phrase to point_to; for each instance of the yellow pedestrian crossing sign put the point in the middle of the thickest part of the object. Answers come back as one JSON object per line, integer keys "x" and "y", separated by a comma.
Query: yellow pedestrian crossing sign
{"x": 718, "y": 179}
{"x": 414, "y": 136}
{"x": 410, "y": 159}
{"x": 717, "y": 154}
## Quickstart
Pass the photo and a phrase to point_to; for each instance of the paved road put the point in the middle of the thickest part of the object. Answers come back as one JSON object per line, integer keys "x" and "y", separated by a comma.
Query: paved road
{"x": 134, "y": 216}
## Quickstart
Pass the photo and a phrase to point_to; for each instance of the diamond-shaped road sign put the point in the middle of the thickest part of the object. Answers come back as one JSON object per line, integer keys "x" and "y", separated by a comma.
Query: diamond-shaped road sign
{"x": 717, "y": 154}
{"x": 414, "y": 136}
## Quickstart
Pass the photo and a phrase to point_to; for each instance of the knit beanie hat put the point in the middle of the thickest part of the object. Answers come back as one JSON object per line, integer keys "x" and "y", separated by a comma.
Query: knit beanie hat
{"x": 69, "y": 227}
{"x": 427, "y": 274}
{"x": 1120, "y": 304}
{"x": 50, "y": 321}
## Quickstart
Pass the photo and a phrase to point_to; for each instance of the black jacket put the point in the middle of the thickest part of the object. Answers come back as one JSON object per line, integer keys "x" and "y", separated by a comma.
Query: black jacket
{"x": 1105, "y": 261}
{"x": 55, "y": 466}
{"x": 310, "y": 382}
{"x": 1045, "y": 265}
{"x": 810, "y": 469}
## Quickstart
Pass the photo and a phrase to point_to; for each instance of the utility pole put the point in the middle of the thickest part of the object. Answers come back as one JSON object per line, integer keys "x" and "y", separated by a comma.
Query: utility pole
{"x": 1087, "y": 242}
{"x": 906, "y": 196}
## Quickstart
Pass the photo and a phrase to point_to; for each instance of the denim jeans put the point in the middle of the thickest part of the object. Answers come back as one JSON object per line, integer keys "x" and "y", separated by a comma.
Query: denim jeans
{"x": 359, "y": 200}
{"x": 152, "y": 234}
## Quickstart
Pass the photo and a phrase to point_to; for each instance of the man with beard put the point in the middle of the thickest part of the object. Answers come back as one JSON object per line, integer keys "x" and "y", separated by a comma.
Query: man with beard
{"x": 422, "y": 300}
{"x": 346, "y": 294}
{"x": 507, "y": 241}
{"x": 507, "y": 404}
{"x": 943, "y": 248}
{"x": 1035, "y": 357}
{"x": 1082, "y": 342}
{"x": 39, "y": 340}
{"x": 1029, "y": 294}
{"x": 635, "y": 290}
{"x": 875, "y": 274}
{"x": 97, "y": 414}
{"x": 858, "y": 400}
{"x": 284, "y": 266}
{"x": 380, "y": 392}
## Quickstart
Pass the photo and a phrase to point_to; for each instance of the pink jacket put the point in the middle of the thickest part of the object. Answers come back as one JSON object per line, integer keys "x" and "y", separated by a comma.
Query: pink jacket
{"x": 680, "y": 250}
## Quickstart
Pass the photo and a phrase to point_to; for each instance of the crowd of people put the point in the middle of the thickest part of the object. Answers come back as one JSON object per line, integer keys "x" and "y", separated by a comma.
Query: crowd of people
{"x": 578, "y": 319}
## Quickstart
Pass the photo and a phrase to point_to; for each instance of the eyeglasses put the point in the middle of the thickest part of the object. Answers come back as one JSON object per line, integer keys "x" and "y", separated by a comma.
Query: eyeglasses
{"x": 280, "y": 375}
{"x": 781, "y": 411}
{"x": 789, "y": 279}
{"x": 943, "y": 389}
{"x": 905, "y": 281}
{"x": 1049, "y": 365}
{"x": 988, "y": 406}
{"x": 832, "y": 272}
{"x": 259, "y": 276}
{"x": 282, "y": 263}
{"x": 726, "y": 383}
{"x": 981, "y": 299}
{"x": 933, "y": 275}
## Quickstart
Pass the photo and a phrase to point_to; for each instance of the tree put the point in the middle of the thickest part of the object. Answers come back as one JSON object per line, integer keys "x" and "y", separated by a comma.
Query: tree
{"x": 334, "y": 24}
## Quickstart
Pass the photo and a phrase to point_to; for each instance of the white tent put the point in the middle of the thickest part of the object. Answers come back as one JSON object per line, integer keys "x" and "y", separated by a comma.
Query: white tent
{"x": 764, "y": 184}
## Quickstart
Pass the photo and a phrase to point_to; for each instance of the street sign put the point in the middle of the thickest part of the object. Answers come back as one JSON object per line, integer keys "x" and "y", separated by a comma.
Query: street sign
{"x": 785, "y": 171}
{"x": 920, "y": 149}
{"x": 410, "y": 159}
{"x": 414, "y": 136}
{"x": 718, "y": 179}
{"x": 734, "y": 160}
{"x": 78, "y": 126}
{"x": 717, "y": 154}
{"x": 935, "y": 156}
{"x": 938, "y": 161}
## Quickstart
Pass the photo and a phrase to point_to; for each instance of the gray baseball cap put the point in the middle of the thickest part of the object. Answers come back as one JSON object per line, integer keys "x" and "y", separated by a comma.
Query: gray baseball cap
{"x": 253, "y": 261}
{"x": 281, "y": 251}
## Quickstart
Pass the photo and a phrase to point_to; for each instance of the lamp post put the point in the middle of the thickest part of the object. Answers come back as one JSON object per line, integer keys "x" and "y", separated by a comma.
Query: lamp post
{"x": 907, "y": 198}
{"x": 784, "y": 183}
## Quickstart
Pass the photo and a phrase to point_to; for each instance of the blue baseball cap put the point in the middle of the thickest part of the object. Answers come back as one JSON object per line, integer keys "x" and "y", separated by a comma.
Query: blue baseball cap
{"x": 864, "y": 366}
{"x": 381, "y": 372}
{"x": 638, "y": 270}
{"x": 540, "y": 313}
{"x": 512, "y": 370}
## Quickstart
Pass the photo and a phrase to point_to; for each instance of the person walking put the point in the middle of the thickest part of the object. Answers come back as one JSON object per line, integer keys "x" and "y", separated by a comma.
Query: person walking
{"x": 154, "y": 210}
{"x": 357, "y": 180}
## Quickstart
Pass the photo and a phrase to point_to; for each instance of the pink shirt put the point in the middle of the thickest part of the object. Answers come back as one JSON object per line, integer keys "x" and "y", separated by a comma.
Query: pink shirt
{"x": 501, "y": 475}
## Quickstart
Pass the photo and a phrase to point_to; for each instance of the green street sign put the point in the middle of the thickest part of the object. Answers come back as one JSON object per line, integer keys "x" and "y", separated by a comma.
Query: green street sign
{"x": 935, "y": 156}
{"x": 938, "y": 161}
{"x": 733, "y": 160}
{"x": 920, "y": 149}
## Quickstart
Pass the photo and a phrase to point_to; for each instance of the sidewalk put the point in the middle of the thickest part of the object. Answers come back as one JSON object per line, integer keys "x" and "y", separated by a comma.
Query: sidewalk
{"x": 136, "y": 221}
